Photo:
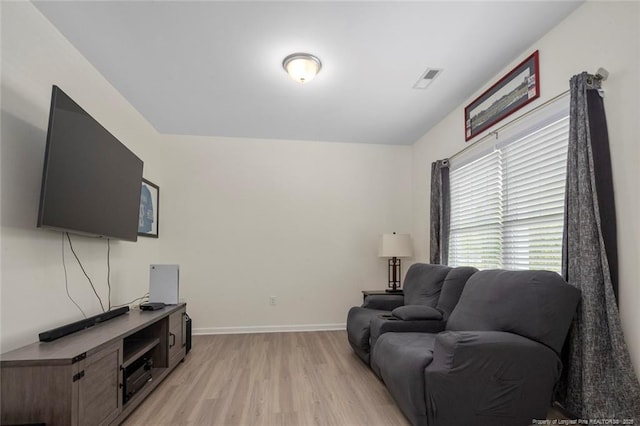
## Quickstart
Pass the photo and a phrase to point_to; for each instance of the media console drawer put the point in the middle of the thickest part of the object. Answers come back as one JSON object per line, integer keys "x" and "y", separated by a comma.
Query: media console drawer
{"x": 78, "y": 379}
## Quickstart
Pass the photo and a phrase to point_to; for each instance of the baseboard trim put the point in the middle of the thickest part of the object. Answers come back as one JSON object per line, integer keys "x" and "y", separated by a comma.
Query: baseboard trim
{"x": 269, "y": 329}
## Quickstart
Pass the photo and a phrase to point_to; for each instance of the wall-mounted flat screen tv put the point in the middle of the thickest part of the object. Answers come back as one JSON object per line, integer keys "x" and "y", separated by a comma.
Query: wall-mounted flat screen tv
{"x": 91, "y": 182}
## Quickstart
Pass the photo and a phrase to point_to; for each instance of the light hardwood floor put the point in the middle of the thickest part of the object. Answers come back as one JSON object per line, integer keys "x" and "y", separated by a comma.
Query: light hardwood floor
{"x": 311, "y": 378}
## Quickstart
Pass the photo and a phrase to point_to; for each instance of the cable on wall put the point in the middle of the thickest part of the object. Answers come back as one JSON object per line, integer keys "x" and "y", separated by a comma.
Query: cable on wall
{"x": 134, "y": 300}
{"x": 66, "y": 280}
{"x": 109, "y": 270}
{"x": 85, "y": 272}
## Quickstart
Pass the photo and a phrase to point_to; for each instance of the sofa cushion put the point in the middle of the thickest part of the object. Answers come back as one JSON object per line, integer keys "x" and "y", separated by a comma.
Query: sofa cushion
{"x": 358, "y": 329}
{"x": 423, "y": 283}
{"x": 383, "y": 302}
{"x": 416, "y": 312}
{"x": 389, "y": 324}
{"x": 401, "y": 359}
{"x": 529, "y": 303}
{"x": 452, "y": 288}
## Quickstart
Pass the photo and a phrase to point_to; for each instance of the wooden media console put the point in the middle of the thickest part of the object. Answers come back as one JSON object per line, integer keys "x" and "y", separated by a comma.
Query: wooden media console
{"x": 79, "y": 379}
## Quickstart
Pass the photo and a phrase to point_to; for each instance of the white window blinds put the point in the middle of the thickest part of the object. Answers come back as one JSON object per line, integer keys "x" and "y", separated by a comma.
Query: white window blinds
{"x": 507, "y": 205}
{"x": 475, "y": 236}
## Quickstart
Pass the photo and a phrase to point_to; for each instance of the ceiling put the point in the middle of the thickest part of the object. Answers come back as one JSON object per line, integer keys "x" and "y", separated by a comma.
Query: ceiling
{"x": 215, "y": 68}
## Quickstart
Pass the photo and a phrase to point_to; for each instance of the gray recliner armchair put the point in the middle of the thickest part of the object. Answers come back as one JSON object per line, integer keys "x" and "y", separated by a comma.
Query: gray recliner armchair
{"x": 497, "y": 362}
{"x": 430, "y": 294}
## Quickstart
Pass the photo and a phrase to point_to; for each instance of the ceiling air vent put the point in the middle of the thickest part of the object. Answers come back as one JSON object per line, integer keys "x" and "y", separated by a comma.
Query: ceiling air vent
{"x": 426, "y": 78}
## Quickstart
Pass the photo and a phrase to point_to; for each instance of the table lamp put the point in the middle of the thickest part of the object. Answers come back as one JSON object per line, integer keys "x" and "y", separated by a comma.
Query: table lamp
{"x": 394, "y": 246}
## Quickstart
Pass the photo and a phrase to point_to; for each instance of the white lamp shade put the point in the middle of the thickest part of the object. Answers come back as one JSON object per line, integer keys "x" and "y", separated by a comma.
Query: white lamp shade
{"x": 395, "y": 245}
{"x": 302, "y": 67}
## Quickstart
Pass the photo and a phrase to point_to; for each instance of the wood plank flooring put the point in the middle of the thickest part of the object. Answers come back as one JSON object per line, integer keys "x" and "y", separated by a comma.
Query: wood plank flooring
{"x": 271, "y": 379}
{"x": 310, "y": 378}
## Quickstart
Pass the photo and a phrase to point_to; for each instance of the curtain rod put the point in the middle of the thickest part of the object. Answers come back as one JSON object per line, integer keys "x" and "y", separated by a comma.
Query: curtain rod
{"x": 601, "y": 75}
{"x": 514, "y": 121}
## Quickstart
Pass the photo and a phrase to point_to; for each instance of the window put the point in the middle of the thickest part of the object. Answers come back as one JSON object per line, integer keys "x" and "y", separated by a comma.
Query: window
{"x": 507, "y": 200}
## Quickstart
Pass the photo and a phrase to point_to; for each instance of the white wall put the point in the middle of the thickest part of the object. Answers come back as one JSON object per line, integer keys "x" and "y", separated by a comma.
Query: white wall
{"x": 598, "y": 34}
{"x": 35, "y": 56}
{"x": 250, "y": 219}
{"x": 245, "y": 219}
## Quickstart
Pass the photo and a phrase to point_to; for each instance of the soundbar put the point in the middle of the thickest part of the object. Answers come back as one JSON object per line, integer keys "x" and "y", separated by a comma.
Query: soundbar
{"x": 56, "y": 333}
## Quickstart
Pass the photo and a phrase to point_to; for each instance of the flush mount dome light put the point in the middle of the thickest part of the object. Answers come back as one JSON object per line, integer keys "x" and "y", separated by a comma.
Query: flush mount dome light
{"x": 302, "y": 67}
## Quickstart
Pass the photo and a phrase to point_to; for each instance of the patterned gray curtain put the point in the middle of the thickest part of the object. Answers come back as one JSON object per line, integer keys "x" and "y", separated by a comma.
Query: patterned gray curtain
{"x": 439, "y": 221}
{"x": 598, "y": 379}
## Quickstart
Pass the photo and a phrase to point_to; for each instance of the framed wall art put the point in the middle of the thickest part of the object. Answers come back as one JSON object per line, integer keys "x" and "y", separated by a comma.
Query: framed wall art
{"x": 513, "y": 91}
{"x": 149, "y": 203}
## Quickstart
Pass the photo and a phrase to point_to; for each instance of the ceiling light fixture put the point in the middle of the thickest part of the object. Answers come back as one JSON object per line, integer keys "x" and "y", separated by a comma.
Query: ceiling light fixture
{"x": 302, "y": 67}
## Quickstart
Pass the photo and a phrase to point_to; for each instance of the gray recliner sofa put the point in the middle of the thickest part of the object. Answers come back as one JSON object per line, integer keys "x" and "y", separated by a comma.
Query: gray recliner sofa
{"x": 496, "y": 363}
{"x": 430, "y": 294}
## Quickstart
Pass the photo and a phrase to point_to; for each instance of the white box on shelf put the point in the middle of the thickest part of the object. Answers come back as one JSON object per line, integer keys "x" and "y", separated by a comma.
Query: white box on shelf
{"x": 164, "y": 284}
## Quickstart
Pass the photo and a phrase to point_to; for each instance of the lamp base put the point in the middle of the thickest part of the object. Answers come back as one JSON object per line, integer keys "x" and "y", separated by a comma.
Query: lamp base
{"x": 394, "y": 274}
{"x": 396, "y": 291}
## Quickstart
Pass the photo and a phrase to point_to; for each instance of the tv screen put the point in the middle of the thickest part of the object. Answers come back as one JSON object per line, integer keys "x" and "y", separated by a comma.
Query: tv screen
{"x": 91, "y": 182}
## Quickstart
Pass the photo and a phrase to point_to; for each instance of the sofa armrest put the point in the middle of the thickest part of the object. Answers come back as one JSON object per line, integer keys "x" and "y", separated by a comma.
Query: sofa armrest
{"x": 416, "y": 313}
{"x": 383, "y": 302}
{"x": 501, "y": 376}
{"x": 390, "y": 324}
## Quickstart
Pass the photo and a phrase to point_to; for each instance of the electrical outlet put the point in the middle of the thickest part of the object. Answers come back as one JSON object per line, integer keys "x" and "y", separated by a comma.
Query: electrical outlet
{"x": 272, "y": 300}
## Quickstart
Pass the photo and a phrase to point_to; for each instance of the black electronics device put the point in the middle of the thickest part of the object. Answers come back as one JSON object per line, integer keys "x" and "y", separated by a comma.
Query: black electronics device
{"x": 189, "y": 332}
{"x": 152, "y": 306}
{"x": 136, "y": 376}
{"x": 56, "y": 333}
{"x": 91, "y": 182}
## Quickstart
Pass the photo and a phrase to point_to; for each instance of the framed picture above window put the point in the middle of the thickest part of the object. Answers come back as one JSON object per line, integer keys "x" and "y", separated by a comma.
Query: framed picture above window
{"x": 513, "y": 91}
{"x": 148, "y": 215}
